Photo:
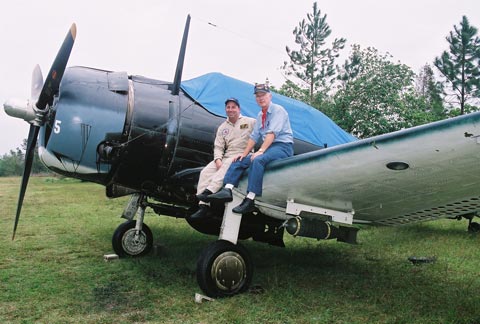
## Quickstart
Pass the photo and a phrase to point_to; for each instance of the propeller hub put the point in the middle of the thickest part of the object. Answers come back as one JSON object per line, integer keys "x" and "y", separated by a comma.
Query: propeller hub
{"x": 24, "y": 109}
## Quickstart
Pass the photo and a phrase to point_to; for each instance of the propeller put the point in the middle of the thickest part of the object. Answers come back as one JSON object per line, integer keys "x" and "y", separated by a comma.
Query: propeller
{"x": 45, "y": 97}
{"x": 37, "y": 83}
{"x": 181, "y": 58}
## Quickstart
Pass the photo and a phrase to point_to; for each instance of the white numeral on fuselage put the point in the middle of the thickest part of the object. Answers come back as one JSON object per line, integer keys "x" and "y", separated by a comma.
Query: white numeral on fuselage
{"x": 56, "y": 126}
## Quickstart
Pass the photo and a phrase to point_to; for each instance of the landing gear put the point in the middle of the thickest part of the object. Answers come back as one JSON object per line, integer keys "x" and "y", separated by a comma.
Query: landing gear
{"x": 133, "y": 238}
{"x": 128, "y": 241}
{"x": 473, "y": 227}
{"x": 224, "y": 269}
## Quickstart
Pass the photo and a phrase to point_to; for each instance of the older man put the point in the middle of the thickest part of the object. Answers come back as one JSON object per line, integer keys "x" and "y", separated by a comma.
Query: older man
{"x": 230, "y": 141}
{"x": 273, "y": 126}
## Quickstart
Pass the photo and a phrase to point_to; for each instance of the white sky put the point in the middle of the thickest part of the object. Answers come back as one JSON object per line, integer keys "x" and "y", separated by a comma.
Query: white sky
{"x": 143, "y": 37}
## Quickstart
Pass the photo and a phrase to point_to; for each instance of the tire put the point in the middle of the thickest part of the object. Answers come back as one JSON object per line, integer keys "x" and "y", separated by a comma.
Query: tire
{"x": 474, "y": 227}
{"x": 125, "y": 244}
{"x": 224, "y": 269}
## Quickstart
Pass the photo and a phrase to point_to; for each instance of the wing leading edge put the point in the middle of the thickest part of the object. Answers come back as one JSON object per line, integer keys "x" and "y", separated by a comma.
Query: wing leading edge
{"x": 442, "y": 178}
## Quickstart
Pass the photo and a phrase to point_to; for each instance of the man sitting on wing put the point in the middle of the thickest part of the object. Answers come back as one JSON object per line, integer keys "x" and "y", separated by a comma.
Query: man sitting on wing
{"x": 230, "y": 141}
{"x": 273, "y": 126}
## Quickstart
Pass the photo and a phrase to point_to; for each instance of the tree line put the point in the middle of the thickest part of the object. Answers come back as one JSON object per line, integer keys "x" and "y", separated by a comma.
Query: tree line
{"x": 369, "y": 94}
{"x": 11, "y": 164}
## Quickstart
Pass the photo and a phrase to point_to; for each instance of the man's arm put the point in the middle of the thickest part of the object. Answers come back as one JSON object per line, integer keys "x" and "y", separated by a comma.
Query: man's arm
{"x": 219, "y": 148}
{"x": 269, "y": 138}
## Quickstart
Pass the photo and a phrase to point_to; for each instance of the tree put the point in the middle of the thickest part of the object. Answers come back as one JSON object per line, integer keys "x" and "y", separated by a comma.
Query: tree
{"x": 376, "y": 96}
{"x": 431, "y": 90}
{"x": 37, "y": 165}
{"x": 460, "y": 66}
{"x": 454, "y": 112}
{"x": 292, "y": 90}
{"x": 12, "y": 164}
{"x": 313, "y": 63}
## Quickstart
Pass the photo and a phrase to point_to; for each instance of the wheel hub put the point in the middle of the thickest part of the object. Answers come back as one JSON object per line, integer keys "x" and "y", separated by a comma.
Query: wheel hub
{"x": 134, "y": 243}
{"x": 228, "y": 271}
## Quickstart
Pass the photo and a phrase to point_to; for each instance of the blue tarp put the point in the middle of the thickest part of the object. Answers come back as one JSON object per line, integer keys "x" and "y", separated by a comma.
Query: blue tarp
{"x": 308, "y": 124}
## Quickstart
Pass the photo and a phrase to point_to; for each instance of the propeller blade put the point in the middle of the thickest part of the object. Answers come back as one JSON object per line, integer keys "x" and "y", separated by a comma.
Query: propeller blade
{"x": 31, "y": 143}
{"x": 181, "y": 58}
{"x": 45, "y": 97}
{"x": 52, "y": 82}
{"x": 37, "y": 82}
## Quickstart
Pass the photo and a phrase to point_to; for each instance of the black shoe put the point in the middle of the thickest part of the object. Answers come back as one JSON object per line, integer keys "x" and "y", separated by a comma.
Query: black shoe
{"x": 247, "y": 206}
{"x": 224, "y": 195}
{"x": 202, "y": 196}
{"x": 201, "y": 213}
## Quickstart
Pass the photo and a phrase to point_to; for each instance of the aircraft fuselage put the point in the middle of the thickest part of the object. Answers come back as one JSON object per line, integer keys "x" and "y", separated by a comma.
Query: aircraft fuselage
{"x": 130, "y": 134}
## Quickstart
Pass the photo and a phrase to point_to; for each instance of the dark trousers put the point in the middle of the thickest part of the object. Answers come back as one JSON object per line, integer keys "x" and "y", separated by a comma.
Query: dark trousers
{"x": 256, "y": 167}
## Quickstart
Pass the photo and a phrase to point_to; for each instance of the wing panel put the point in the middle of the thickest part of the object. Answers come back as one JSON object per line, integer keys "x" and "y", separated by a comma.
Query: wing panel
{"x": 442, "y": 180}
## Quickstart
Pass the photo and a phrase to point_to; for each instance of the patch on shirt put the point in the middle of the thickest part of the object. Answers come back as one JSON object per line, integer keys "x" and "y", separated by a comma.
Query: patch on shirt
{"x": 243, "y": 126}
{"x": 225, "y": 131}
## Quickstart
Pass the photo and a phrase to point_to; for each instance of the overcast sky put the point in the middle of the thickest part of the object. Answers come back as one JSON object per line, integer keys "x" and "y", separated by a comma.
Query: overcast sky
{"x": 244, "y": 39}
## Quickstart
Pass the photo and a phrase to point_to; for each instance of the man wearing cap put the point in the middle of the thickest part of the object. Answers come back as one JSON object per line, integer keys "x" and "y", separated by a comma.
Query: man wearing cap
{"x": 273, "y": 126}
{"x": 230, "y": 141}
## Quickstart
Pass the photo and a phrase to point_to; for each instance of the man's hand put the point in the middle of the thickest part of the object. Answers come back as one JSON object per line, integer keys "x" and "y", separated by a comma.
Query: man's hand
{"x": 238, "y": 157}
{"x": 254, "y": 155}
{"x": 218, "y": 163}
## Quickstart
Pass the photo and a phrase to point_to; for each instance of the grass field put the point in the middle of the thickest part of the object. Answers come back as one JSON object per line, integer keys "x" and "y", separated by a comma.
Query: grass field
{"x": 54, "y": 270}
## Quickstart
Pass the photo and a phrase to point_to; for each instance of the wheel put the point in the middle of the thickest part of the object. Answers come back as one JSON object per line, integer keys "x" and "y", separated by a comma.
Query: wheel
{"x": 224, "y": 269}
{"x": 125, "y": 242}
{"x": 474, "y": 227}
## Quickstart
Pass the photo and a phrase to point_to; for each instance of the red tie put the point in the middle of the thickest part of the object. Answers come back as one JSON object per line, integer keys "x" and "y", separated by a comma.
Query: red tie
{"x": 264, "y": 118}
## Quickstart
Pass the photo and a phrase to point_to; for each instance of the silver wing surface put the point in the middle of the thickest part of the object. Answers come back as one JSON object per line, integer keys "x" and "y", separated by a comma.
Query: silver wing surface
{"x": 422, "y": 173}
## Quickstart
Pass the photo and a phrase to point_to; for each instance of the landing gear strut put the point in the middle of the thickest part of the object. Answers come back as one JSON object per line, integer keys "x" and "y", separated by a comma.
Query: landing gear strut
{"x": 133, "y": 238}
{"x": 225, "y": 268}
{"x": 473, "y": 227}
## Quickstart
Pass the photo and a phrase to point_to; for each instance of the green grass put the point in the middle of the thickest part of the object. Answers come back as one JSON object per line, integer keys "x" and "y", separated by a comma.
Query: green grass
{"x": 54, "y": 270}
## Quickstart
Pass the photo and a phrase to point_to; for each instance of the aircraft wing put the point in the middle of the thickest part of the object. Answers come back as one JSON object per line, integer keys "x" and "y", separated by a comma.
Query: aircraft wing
{"x": 441, "y": 175}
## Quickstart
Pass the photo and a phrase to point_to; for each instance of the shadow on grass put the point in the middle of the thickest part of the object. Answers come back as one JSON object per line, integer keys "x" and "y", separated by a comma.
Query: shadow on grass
{"x": 57, "y": 259}
{"x": 374, "y": 275}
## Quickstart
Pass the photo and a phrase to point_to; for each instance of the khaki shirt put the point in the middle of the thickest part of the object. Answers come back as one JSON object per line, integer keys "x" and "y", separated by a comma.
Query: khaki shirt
{"x": 231, "y": 139}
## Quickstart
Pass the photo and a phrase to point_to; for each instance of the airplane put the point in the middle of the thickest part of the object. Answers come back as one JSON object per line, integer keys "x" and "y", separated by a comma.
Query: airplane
{"x": 150, "y": 139}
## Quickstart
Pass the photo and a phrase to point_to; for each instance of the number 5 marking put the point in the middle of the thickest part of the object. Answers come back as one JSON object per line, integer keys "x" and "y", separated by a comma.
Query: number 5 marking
{"x": 56, "y": 126}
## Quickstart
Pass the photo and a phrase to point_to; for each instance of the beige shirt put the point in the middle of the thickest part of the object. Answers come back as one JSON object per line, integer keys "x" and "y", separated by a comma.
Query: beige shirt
{"x": 232, "y": 139}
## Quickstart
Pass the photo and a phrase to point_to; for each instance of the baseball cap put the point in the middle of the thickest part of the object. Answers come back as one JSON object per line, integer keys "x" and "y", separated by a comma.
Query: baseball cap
{"x": 235, "y": 100}
{"x": 261, "y": 87}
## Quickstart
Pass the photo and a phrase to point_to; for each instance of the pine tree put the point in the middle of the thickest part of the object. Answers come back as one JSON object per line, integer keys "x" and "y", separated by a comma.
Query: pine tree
{"x": 313, "y": 63}
{"x": 460, "y": 66}
{"x": 431, "y": 90}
